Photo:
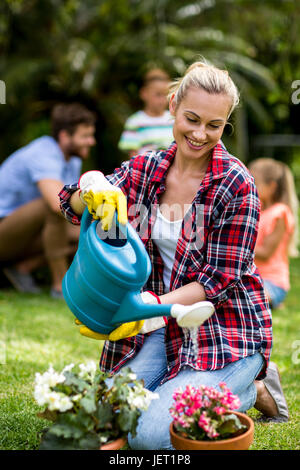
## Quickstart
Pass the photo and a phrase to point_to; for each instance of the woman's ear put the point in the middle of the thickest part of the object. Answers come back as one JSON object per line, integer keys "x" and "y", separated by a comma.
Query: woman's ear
{"x": 172, "y": 105}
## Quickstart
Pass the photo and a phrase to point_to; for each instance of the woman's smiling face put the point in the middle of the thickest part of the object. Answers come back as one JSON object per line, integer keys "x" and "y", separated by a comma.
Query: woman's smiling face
{"x": 199, "y": 122}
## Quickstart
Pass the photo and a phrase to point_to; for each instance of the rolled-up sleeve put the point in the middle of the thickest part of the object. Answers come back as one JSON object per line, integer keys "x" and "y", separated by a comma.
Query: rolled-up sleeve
{"x": 65, "y": 207}
{"x": 230, "y": 245}
{"x": 119, "y": 178}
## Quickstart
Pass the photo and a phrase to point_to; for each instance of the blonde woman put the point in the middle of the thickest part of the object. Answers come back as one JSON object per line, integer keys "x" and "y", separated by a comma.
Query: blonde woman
{"x": 195, "y": 184}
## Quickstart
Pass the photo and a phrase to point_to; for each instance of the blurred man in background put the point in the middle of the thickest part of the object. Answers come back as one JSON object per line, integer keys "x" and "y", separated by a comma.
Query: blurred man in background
{"x": 32, "y": 229}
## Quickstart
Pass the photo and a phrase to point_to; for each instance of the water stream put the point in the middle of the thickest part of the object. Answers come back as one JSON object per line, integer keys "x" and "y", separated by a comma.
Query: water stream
{"x": 194, "y": 337}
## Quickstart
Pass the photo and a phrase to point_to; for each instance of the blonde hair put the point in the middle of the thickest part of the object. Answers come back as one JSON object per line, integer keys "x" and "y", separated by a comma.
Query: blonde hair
{"x": 273, "y": 170}
{"x": 207, "y": 77}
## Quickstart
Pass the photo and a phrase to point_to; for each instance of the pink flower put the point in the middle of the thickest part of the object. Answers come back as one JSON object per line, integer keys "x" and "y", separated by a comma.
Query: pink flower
{"x": 204, "y": 406}
{"x": 219, "y": 410}
{"x": 183, "y": 423}
{"x": 179, "y": 406}
{"x": 203, "y": 419}
{"x": 212, "y": 433}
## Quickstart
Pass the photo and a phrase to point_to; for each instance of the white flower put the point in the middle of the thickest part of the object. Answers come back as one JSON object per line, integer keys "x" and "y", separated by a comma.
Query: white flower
{"x": 87, "y": 370}
{"x": 77, "y": 397}
{"x": 50, "y": 378}
{"x": 140, "y": 397}
{"x": 149, "y": 397}
{"x": 67, "y": 368}
{"x": 138, "y": 402}
{"x": 53, "y": 399}
{"x": 132, "y": 376}
{"x": 64, "y": 403}
{"x": 41, "y": 393}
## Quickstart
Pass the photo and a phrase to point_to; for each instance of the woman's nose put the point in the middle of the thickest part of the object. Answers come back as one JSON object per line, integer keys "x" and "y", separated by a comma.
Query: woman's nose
{"x": 200, "y": 133}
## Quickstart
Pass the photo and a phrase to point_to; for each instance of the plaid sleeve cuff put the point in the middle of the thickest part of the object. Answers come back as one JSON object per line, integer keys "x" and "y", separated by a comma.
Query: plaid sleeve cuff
{"x": 214, "y": 291}
{"x": 217, "y": 285}
{"x": 64, "y": 196}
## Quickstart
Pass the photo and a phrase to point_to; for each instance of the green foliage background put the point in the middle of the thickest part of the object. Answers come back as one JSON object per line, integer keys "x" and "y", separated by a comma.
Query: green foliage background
{"x": 96, "y": 51}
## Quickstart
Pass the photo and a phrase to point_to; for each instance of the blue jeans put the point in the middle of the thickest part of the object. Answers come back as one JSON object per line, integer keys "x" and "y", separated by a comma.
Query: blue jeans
{"x": 150, "y": 364}
{"x": 275, "y": 293}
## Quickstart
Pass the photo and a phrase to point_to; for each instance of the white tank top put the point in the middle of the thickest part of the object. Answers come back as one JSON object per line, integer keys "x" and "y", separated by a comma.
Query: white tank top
{"x": 165, "y": 234}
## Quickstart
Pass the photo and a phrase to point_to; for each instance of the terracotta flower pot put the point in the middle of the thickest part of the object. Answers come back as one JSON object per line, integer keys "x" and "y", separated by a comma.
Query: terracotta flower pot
{"x": 241, "y": 442}
{"x": 114, "y": 445}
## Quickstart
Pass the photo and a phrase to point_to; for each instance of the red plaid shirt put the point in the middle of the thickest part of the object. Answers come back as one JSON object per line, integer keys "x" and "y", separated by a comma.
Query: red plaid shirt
{"x": 223, "y": 264}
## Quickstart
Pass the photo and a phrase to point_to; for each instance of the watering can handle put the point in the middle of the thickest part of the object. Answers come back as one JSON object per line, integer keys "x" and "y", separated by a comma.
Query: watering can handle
{"x": 86, "y": 220}
{"x": 137, "y": 244}
{"x": 138, "y": 247}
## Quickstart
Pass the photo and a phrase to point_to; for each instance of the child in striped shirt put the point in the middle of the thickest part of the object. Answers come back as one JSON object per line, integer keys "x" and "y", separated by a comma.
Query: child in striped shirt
{"x": 152, "y": 127}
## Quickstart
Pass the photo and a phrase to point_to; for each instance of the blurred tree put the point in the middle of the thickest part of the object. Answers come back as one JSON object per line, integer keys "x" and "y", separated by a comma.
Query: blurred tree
{"x": 272, "y": 29}
{"x": 96, "y": 51}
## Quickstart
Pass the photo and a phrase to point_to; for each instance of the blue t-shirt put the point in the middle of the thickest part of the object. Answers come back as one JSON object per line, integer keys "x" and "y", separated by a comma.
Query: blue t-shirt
{"x": 20, "y": 172}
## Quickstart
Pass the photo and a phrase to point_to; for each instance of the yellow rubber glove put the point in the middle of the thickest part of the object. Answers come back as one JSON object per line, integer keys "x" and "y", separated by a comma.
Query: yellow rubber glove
{"x": 102, "y": 205}
{"x": 124, "y": 331}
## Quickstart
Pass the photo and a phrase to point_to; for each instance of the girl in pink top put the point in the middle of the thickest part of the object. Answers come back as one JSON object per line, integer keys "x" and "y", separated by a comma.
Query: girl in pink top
{"x": 277, "y": 233}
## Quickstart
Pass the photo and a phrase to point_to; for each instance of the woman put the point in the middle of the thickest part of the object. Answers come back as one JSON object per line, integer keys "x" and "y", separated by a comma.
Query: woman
{"x": 197, "y": 173}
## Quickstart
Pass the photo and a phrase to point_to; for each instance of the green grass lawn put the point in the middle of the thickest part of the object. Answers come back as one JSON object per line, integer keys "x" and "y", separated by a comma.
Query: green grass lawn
{"x": 37, "y": 331}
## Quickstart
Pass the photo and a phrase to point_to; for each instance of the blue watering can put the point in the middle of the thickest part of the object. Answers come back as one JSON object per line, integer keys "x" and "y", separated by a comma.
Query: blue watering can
{"x": 102, "y": 287}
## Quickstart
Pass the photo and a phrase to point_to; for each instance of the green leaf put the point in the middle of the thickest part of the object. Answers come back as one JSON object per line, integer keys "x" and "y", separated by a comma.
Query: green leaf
{"x": 90, "y": 441}
{"x": 67, "y": 426}
{"x": 127, "y": 420}
{"x": 66, "y": 431}
{"x": 52, "y": 442}
{"x": 230, "y": 425}
{"x": 74, "y": 381}
{"x": 85, "y": 421}
{"x": 88, "y": 403}
{"x": 104, "y": 414}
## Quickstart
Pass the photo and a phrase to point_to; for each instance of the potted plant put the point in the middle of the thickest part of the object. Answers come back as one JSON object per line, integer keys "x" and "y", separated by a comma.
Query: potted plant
{"x": 87, "y": 413}
{"x": 203, "y": 418}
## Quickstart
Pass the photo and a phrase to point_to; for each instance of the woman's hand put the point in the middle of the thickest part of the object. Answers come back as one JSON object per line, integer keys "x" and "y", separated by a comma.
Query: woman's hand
{"x": 124, "y": 331}
{"x": 101, "y": 198}
{"x": 102, "y": 205}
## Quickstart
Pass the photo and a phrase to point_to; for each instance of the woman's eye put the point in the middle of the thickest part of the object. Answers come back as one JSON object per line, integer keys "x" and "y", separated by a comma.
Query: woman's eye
{"x": 191, "y": 120}
{"x": 214, "y": 126}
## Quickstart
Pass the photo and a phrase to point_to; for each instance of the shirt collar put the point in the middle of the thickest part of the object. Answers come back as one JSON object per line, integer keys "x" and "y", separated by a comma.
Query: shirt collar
{"x": 167, "y": 158}
{"x": 217, "y": 167}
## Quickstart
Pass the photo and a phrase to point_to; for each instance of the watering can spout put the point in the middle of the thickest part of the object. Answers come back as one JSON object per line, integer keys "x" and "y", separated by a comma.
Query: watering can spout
{"x": 133, "y": 308}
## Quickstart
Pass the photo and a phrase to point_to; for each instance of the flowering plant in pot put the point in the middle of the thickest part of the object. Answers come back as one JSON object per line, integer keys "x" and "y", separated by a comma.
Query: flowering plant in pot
{"x": 204, "y": 418}
{"x": 85, "y": 412}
